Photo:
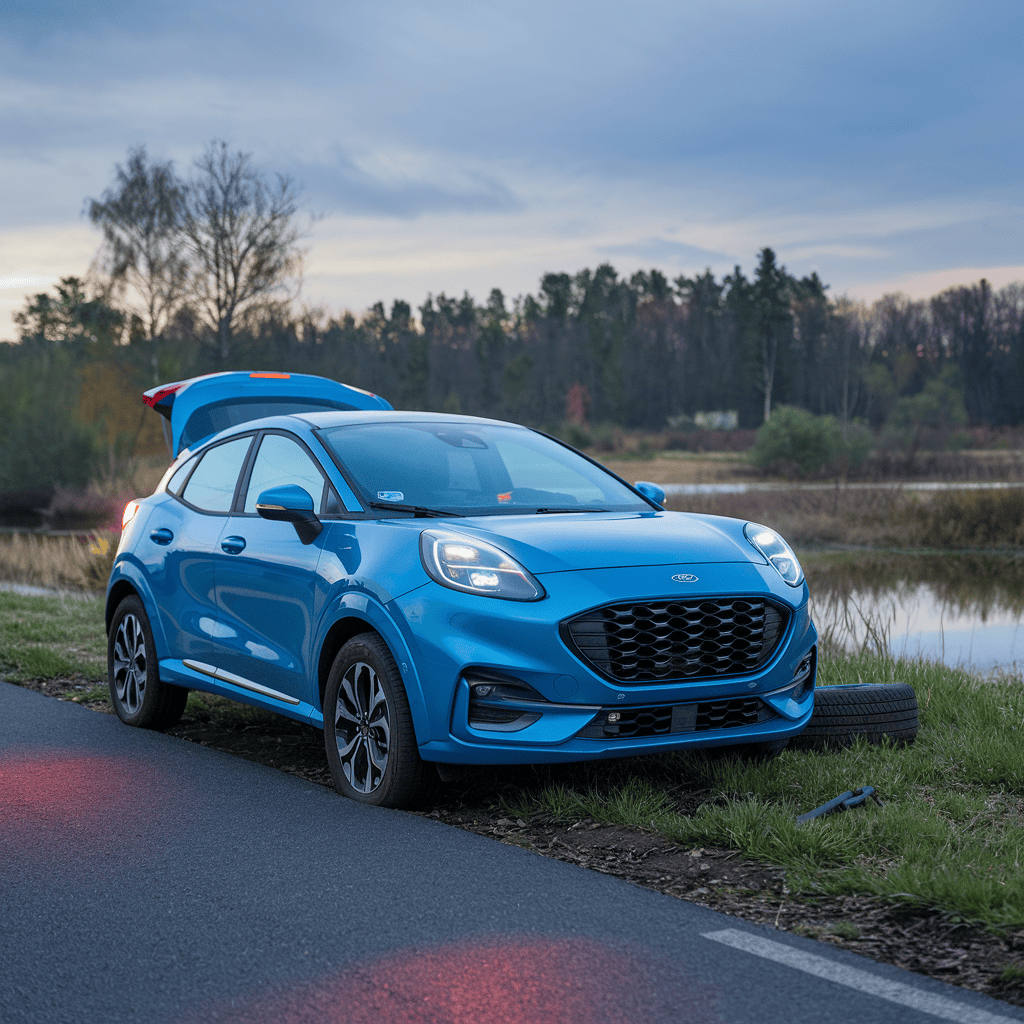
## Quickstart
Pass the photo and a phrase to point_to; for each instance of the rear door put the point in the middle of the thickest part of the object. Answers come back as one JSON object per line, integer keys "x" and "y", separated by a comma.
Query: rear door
{"x": 182, "y": 540}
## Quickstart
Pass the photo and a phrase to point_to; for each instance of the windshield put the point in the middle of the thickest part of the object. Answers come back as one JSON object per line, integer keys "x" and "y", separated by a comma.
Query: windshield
{"x": 473, "y": 469}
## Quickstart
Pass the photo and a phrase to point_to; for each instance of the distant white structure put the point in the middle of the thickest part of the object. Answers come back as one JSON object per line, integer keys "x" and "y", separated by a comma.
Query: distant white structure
{"x": 720, "y": 420}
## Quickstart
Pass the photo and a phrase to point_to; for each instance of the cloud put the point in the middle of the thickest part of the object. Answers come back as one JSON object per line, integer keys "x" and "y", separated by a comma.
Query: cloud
{"x": 665, "y": 250}
{"x": 341, "y": 185}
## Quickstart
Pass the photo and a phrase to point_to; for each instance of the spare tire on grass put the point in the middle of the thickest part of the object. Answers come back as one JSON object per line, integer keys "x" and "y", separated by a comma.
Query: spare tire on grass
{"x": 875, "y": 711}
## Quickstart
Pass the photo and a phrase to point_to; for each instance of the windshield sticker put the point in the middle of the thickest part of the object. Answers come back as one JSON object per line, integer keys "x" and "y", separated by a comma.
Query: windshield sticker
{"x": 390, "y": 496}
{"x": 507, "y": 496}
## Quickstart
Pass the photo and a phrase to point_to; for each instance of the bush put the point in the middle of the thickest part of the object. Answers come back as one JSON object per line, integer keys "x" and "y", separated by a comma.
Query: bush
{"x": 797, "y": 443}
{"x": 42, "y": 443}
{"x": 575, "y": 434}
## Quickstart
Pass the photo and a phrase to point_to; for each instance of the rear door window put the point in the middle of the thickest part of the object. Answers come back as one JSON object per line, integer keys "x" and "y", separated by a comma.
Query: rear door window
{"x": 211, "y": 488}
{"x": 180, "y": 474}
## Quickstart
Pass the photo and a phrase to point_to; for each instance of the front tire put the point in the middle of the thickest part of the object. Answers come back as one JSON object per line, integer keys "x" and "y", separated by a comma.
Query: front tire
{"x": 136, "y": 691}
{"x": 368, "y": 733}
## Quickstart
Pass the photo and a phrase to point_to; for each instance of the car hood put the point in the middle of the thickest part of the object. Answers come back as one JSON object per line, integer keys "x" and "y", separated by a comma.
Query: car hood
{"x": 571, "y": 541}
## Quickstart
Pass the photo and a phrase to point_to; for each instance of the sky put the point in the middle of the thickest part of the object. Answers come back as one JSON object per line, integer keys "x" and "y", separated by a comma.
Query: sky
{"x": 450, "y": 146}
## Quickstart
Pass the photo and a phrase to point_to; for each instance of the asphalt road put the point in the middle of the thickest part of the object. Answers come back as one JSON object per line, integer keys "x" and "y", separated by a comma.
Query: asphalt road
{"x": 147, "y": 879}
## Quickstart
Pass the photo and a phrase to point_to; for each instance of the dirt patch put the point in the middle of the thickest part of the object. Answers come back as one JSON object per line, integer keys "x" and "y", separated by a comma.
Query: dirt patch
{"x": 919, "y": 940}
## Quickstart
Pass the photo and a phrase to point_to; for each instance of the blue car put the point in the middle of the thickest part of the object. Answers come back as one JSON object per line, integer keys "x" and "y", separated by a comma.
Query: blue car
{"x": 435, "y": 590}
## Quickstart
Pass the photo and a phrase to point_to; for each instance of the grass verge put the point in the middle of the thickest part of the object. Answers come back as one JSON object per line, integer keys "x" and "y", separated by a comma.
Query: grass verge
{"x": 51, "y": 637}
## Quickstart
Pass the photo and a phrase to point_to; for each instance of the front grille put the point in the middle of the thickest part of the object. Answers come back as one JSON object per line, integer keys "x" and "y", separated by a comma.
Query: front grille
{"x": 707, "y": 716}
{"x": 638, "y": 643}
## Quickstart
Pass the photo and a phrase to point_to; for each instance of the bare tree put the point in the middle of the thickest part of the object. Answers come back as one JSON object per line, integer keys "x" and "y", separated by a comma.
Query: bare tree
{"x": 143, "y": 250}
{"x": 242, "y": 237}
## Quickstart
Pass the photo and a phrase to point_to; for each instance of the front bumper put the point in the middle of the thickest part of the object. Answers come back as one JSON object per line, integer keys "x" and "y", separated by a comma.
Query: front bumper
{"x": 454, "y": 636}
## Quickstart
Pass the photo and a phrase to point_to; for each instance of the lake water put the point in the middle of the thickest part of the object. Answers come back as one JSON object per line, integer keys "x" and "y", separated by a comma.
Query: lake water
{"x": 961, "y": 610}
{"x": 760, "y": 485}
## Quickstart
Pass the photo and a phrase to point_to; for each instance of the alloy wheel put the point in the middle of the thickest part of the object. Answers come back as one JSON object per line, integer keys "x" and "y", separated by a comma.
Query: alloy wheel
{"x": 362, "y": 727}
{"x": 130, "y": 664}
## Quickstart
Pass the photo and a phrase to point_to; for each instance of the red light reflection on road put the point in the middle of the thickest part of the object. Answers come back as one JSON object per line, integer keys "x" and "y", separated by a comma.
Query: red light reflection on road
{"x": 522, "y": 980}
{"x": 83, "y": 804}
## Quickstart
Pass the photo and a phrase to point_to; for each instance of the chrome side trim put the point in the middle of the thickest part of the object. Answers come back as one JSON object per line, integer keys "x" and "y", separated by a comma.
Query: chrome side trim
{"x": 245, "y": 684}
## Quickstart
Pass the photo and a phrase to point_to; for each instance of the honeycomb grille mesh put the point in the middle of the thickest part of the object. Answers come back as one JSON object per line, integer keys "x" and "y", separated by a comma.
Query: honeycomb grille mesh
{"x": 650, "y": 641}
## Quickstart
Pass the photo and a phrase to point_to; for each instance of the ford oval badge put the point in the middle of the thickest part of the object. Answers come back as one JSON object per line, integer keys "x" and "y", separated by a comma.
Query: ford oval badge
{"x": 685, "y": 577}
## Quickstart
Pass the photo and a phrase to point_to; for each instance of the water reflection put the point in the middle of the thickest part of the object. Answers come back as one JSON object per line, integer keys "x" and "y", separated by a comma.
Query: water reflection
{"x": 961, "y": 610}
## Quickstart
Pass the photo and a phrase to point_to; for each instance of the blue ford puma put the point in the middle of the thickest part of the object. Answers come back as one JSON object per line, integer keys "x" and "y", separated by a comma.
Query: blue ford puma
{"x": 434, "y": 590}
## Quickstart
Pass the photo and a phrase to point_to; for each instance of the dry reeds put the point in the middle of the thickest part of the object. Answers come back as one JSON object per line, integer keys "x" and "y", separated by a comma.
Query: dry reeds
{"x": 883, "y": 517}
{"x": 814, "y": 516}
{"x": 66, "y": 562}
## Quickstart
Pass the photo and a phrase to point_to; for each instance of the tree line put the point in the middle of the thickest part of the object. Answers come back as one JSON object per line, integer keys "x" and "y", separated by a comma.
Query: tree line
{"x": 202, "y": 274}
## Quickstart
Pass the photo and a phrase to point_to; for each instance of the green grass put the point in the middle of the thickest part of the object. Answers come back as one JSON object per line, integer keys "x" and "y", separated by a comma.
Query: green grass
{"x": 52, "y": 637}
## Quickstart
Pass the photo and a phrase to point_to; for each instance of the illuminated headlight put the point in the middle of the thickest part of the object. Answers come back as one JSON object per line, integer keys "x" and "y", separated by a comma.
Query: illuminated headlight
{"x": 778, "y": 553}
{"x": 477, "y": 567}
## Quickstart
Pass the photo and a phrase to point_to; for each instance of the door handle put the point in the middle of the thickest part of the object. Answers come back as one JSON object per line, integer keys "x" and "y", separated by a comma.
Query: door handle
{"x": 233, "y": 545}
{"x": 162, "y": 536}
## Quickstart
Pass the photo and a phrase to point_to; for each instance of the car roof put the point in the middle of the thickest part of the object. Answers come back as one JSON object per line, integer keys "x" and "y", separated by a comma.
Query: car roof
{"x": 201, "y": 407}
{"x": 322, "y": 420}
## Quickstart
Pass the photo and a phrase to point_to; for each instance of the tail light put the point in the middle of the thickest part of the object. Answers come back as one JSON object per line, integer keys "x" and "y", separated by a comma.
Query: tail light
{"x": 129, "y": 514}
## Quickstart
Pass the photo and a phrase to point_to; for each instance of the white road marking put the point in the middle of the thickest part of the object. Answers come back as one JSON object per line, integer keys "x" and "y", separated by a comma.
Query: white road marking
{"x": 853, "y": 977}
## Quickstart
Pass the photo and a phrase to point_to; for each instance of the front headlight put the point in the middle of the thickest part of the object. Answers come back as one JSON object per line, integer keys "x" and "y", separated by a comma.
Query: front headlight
{"x": 778, "y": 553}
{"x": 464, "y": 563}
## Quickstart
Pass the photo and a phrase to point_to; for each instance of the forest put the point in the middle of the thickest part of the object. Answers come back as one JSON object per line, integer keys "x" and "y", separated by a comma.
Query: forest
{"x": 202, "y": 275}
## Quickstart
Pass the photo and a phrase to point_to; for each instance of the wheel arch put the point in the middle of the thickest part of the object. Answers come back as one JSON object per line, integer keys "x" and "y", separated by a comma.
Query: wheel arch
{"x": 356, "y": 615}
{"x": 337, "y": 636}
{"x": 127, "y": 579}
{"x": 118, "y": 592}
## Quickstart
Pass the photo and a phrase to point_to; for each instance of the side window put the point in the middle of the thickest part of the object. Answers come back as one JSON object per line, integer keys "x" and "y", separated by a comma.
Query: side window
{"x": 212, "y": 486}
{"x": 174, "y": 484}
{"x": 332, "y": 503}
{"x": 283, "y": 461}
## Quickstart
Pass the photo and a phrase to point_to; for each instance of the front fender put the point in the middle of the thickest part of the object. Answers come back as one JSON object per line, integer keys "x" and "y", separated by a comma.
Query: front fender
{"x": 128, "y": 569}
{"x": 369, "y": 609}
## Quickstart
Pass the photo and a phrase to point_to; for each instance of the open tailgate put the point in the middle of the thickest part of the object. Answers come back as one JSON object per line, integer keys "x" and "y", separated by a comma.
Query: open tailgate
{"x": 201, "y": 406}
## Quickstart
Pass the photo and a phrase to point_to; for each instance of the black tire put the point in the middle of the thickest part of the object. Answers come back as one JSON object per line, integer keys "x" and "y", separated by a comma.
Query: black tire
{"x": 137, "y": 693}
{"x": 877, "y": 712}
{"x": 368, "y": 733}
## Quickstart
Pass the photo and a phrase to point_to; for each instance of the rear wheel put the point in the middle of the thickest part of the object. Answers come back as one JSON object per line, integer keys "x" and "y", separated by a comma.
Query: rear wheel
{"x": 368, "y": 733}
{"x": 136, "y": 691}
{"x": 877, "y": 712}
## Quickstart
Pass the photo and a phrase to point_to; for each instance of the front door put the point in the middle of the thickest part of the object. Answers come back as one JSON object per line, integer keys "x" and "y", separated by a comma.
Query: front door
{"x": 267, "y": 596}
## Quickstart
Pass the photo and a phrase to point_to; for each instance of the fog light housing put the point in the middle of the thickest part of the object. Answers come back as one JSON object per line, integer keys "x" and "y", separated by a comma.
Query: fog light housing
{"x": 500, "y": 703}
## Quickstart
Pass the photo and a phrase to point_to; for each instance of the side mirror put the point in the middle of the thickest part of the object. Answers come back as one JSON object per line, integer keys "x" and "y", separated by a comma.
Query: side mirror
{"x": 652, "y": 491}
{"x": 291, "y": 504}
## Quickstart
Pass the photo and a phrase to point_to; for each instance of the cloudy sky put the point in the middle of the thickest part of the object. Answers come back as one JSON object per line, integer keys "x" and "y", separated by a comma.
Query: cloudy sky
{"x": 451, "y": 146}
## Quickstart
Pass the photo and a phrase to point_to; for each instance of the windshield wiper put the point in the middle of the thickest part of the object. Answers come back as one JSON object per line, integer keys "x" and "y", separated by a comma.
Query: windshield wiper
{"x": 551, "y": 511}
{"x": 417, "y": 510}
